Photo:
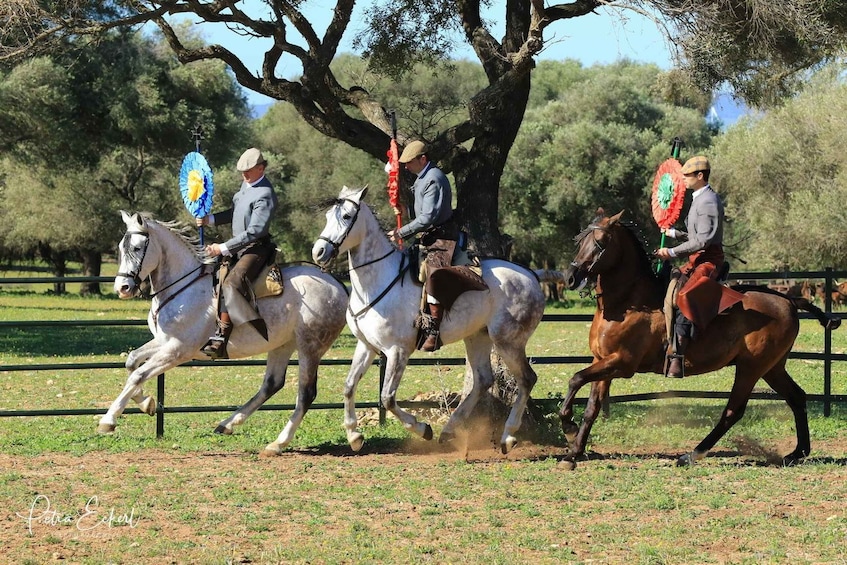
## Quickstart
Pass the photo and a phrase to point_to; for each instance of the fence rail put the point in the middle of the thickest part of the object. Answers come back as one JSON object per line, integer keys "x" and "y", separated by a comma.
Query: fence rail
{"x": 828, "y": 357}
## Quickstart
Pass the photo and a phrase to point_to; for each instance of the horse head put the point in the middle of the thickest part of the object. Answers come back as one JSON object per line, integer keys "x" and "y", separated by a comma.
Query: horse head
{"x": 340, "y": 233}
{"x": 593, "y": 250}
{"x": 131, "y": 253}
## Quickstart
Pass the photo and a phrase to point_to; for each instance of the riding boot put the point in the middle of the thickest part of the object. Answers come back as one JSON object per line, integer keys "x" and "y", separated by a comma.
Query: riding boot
{"x": 675, "y": 370}
{"x": 216, "y": 346}
{"x": 431, "y": 343}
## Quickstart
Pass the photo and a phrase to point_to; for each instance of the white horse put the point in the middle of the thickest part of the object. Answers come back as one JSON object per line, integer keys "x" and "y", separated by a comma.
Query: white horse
{"x": 385, "y": 300}
{"x": 307, "y": 317}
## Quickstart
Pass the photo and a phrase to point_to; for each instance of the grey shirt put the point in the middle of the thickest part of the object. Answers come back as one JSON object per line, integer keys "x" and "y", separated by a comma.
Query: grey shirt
{"x": 433, "y": 201}
{"x": 704, "y": 223}
{"x": 252, "y": 210}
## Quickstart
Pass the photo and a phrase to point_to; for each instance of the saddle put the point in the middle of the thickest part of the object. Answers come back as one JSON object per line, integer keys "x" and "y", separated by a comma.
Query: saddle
{"x": 448, "y": 283}
{"x": 704, "y": 300}
{"x": 268, "y": 283}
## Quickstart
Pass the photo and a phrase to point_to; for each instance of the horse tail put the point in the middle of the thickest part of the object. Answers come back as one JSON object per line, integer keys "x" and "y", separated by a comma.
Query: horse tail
{"x": 828, "y": 321}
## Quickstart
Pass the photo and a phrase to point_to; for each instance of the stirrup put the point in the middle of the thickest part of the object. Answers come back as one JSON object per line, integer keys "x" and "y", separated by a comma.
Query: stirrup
{"x": 669, "y": 357}
{"x": 216, "y": 348}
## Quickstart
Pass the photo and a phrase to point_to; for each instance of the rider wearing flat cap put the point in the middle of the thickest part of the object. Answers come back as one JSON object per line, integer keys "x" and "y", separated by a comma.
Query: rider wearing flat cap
{"x": 704, "y": 246}
{"x": 248, "y": 251}
{"x": 433, "y": 215}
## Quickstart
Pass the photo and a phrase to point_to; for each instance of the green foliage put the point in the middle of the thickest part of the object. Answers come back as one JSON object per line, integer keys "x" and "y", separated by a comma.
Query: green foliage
{"x": 403, "y": 33}
{"x": 107, "y": 125}
{"x": 595, "y": 141}
{"x": 784, "y": 179}
{"x": 764, "y": 50}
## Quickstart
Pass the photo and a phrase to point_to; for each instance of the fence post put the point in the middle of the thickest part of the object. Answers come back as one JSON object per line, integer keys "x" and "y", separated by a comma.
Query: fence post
{"x": 827, "y": 349}
{"x": 160, "y": 406}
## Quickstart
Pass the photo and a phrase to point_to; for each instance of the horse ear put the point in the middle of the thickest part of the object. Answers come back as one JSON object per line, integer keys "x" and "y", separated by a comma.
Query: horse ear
{"x": 600, "y": 213}
{"x": 125, "y": 216}
{"x": 363, "y": 193}
{"x": 616, "y": 218}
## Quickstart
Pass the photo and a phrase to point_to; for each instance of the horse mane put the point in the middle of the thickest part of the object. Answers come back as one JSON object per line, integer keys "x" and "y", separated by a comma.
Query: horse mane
{"x": 186, "y": 233}
{"x": 645, "y": 262}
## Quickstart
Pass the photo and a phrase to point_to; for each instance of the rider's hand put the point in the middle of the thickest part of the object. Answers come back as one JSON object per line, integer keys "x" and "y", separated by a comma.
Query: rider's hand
{"x": 392, "y": 235}
{"x": 213, "y": 250}
{"x": 201, "y": 222}
{"x": 664, "y": 254}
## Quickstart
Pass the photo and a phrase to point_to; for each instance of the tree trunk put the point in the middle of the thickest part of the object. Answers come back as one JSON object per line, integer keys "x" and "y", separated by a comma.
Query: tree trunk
{"x": 478, "y": 175}
{"x": 58, "y": 262}
{"x": 92, "y": 262}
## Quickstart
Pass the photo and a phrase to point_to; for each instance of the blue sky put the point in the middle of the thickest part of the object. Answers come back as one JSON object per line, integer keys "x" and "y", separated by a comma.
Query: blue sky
{"x": 601, "y": 38}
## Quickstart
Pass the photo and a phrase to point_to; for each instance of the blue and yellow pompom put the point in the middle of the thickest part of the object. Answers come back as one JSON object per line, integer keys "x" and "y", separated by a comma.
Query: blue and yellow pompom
{"x": 196, "y": 184}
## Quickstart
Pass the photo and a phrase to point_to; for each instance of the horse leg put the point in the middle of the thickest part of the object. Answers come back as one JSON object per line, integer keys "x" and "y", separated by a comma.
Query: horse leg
{"x": 134, "y": 360}
{"x": 273, "y": 382}
{"x": 734, "y": 411}
{"x": 478, "y": 348}
{"x": 599, "y": 393}
{"x": 525, "y": 377}
{"x": 307, "y": 391}
{"x": 362, "y": 359}
{"x": 158, "y": 363}
{"x": 394, "y": 367}
{"x": 599, "y": 370}
{"x": 782, "y": 383}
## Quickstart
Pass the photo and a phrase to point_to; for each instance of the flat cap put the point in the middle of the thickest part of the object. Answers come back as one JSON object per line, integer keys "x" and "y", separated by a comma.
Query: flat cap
{"x": 250, "y": 159}
{"x": 414, "y": 149}
{"x": 696, "y": 164}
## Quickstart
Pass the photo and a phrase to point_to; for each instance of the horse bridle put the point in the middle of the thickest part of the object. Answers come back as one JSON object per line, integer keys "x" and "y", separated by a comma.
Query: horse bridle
{"x": 135, "y": 276}
{"x": 132, "y": 254}
{"x": 337, "y": 245}
{"x": 585, "y": 233}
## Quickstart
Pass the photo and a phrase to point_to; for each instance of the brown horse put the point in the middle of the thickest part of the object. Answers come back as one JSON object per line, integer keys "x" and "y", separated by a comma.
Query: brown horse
{"x": 628, "y": 335}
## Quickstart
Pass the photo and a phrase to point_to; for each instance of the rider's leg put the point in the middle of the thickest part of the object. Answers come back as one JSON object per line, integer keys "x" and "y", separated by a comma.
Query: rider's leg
{"x": 682, "y": 332}
{"x": 436, "y": 312}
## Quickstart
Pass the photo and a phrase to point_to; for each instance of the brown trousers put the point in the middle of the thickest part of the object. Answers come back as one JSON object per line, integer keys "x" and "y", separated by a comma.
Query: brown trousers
{"x": 244, "y": 269}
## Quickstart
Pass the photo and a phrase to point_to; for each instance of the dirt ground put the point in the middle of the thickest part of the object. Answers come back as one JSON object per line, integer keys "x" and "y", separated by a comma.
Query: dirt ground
{"x": 37, "y": 534}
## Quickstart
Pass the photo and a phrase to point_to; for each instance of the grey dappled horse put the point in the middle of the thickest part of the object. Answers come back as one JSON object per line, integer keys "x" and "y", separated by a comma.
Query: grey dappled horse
{"x": 307, "y": 318}
{"x": 385, "y": 300}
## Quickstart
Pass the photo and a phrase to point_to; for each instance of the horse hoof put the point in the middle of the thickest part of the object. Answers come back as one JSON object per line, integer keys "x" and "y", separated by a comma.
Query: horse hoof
{"x": 685, "y": 461}
{"x": 427, "y": 435}
{"x": 356, "y": 441}
{"x": 567, "y": 464}
{"x": 446, "y": 437}
{"x": 508, "y": 444}
{"x": 221, "y": 429}
{"x": 793, "y": 458}
{"x": 106, "y": 429}
{"x": 148, "y": 406}
{"x": 271, "y": 450}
